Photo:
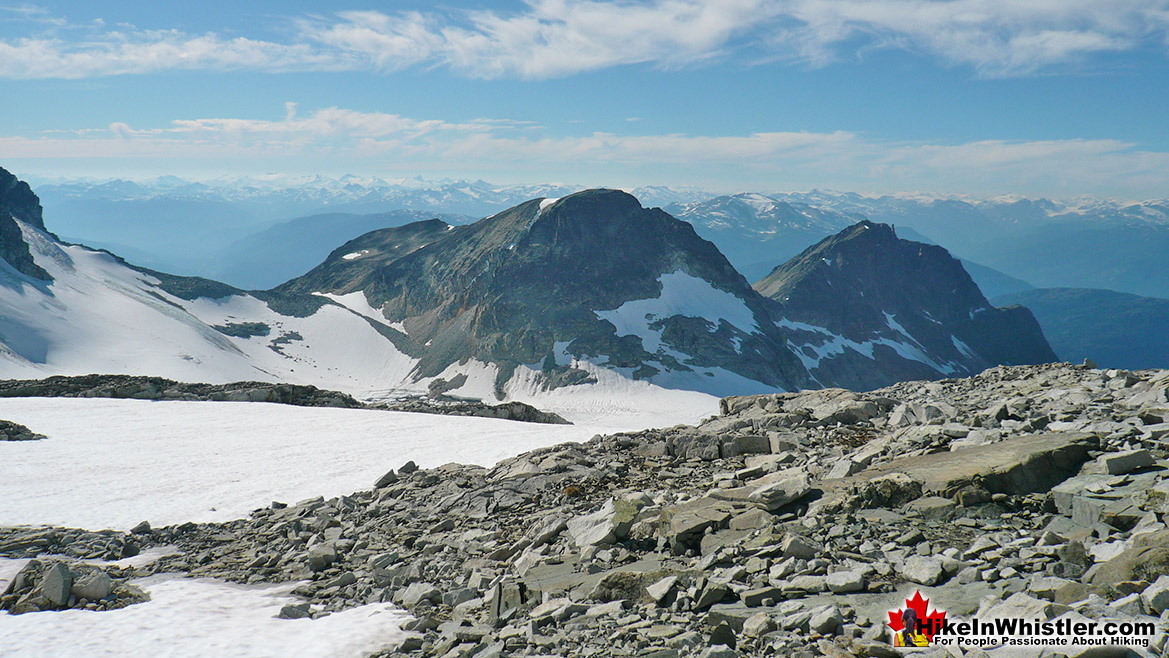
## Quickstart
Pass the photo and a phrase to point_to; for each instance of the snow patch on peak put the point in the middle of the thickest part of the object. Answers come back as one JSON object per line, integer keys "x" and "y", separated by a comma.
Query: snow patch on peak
{"x": 547, "y": 202}
{"x": 682, "y": 295}
{"x": 355, "y": 255}
{"x": 757, "y": 201}
{"x": 356, "y": 302}
{"x": 829, "y": 345}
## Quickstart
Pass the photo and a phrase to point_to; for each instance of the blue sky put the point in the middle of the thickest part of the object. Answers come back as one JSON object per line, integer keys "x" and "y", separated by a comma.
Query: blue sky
{"x": 983, "y": 97}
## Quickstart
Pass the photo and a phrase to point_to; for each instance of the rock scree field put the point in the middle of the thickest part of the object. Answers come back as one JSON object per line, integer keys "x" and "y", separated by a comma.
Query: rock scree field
{"x": 789, "y": 524}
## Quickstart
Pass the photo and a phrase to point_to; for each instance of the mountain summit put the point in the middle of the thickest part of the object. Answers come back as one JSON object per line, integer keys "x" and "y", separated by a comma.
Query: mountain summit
{"x": 563, "y": 286}
{"x": 868, "y": 307}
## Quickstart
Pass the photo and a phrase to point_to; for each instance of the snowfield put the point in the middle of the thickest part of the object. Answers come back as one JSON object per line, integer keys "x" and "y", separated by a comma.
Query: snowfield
{"x": 195, "y": 618}
{"x": 113, "y": 463}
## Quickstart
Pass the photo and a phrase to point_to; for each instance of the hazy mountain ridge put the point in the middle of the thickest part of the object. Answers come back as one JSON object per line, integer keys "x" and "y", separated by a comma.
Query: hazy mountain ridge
{"x": 188, "y": 227}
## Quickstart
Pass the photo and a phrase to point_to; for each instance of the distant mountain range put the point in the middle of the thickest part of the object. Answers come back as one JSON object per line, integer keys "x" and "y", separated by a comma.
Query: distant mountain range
{"x": 1013, "y": 243}
{"x": 588, "y": 290}
{"x": 282, "y": 251}
{"x": 192, "y": 227}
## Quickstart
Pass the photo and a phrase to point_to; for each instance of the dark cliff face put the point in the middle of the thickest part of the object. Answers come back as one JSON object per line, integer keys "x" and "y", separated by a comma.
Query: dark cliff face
{"x": 509, "y": 288}
{"x": 17, "y": 201}
{"x": 912, "y": 305}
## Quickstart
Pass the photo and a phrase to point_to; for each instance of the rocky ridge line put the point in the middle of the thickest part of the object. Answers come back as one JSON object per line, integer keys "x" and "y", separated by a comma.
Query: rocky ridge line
{"x": 156, "y": 388}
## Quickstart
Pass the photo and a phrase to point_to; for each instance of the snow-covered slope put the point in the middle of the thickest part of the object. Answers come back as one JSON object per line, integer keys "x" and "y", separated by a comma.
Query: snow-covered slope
{"x": 177, "y": 620}
{"x": 95, "y": 314}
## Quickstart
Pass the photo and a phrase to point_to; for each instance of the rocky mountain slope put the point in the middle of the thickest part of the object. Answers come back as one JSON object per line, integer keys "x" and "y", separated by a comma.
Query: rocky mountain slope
{"x": 1114, "y": 329}
{"x": 865, "y": 308}
{"x": 549, "y": 284}
{"x": 19, "y": 204}
{"x": 791, "y": 524}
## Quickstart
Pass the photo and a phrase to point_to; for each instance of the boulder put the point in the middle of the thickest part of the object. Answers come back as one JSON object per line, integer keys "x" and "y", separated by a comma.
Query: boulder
{"x": 781, "y": 492}
{"x": 56, "y": 583}
{"x": 1119, "y": 463}
{"x": 661, "y": 589}
{"x": 1156, "y": 596}
{"x": 605, "y": 526}
{"x": 1016, "y": 466}
{"x": 683, "y": 525}
{"x": 923, "y": 570}
{"x": 758, "y": 625}
{"x": 844, "y": 582}
{"x": 321, "y": 556}
{"x": 826, "y": 620}
{"x": 417, "y": 592}
{"x": 93, "y": 586}
{"x": 1148, "y": 560}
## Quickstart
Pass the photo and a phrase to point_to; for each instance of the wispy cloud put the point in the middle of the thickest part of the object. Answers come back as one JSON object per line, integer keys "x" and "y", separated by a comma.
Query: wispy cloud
{"x": 337, "y": 138}
{"x": 551, "y": 38}
{"x": 996, "y": 37}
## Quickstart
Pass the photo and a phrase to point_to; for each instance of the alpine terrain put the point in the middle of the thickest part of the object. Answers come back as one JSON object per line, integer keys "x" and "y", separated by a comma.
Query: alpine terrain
{"x": 588, "y": 290}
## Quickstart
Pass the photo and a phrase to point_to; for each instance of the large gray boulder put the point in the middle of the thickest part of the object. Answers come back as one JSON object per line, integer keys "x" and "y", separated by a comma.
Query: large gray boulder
{"x": 605, "y": 526}
{"x": 785, "y": 490}
{"x": 93, "y": 586}
{"x": 56, "y": 583}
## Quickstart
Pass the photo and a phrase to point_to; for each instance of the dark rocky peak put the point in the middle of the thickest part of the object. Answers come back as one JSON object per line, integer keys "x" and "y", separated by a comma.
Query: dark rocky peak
{"x": 904, "y": 310}
{"x": 17, "y": 199}
{"x": 851, "y": 279}
{"x": 509, "y": 288}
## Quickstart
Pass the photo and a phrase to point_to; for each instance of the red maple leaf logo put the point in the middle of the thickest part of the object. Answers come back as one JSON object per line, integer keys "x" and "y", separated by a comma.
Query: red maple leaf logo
{"x": 930, "y": 623}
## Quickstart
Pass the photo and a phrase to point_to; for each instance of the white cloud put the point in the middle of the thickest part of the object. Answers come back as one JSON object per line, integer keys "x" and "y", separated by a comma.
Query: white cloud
{"x": 337, "y": 139}
{"x": 997, "y": 37}
{"x": 120, "y": 53}
{"x": 550, "y": 38}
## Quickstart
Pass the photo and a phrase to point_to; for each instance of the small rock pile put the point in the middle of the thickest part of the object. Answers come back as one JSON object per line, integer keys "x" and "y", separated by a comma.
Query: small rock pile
{"x": 519, "y": 411}
{"x": 156, "y": 388}
{"x": 62, "y": 585}
{"x": 789, "y": 525}
{"x": 10, "y": 431}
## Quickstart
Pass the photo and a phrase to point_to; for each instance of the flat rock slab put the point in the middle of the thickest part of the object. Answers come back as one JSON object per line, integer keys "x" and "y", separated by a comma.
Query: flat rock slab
{"x": 553, "y": 578}
{"x": 1015, "y": 466}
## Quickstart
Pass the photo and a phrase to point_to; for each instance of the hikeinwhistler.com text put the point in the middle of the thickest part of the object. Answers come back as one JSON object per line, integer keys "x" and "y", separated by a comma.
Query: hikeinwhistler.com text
{"x": 1013, "y": 631}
